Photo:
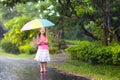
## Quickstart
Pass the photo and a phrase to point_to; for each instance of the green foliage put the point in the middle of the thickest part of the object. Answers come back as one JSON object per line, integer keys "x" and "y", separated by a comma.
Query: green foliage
{"x": 93, "y": 27}
{"x": 4, "y": 14}
{"x": 8, "y": 46}
{"x": 20, "y": 9}
{"x": 11, "y": 3}
{"x": 28, "y": 9}
{"x": 95, "y": 53}
{"x": 81, "y": 51}
{"x": 74, "y": 42}
{"x": 81, "y": 13}
{"x": 106, "y": 55}
{"x": 27, "y": 48}
{"x": 53, "y": 50}
{"x": 85, "y": 8}
{"x": 14, "y": 26}
{"x": 62, "y": 44}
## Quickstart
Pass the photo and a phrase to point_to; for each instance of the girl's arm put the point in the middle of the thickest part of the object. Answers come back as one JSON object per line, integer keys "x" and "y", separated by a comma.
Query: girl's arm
{"x": 46, "y": 41}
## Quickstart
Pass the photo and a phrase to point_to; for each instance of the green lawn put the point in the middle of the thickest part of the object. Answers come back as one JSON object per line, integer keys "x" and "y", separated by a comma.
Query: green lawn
{"x": 95, "y": 72}
{"x": 24, "y": 55}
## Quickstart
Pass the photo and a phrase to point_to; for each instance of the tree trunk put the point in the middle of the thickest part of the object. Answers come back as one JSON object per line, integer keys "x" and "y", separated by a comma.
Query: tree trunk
{"x": 105, "y": 32}
{"x": 106, "y": 26}
{"x": 62, "y": 33}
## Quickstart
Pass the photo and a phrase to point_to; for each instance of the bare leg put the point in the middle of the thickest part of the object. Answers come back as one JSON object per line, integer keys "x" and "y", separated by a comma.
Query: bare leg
{"x": 41, "y": 66}
{"x": 45, "y": 66}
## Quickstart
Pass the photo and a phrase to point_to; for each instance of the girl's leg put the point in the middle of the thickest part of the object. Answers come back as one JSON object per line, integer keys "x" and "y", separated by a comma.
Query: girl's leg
{"x": 41, "y": 66}
{"x": 45, "y": 66}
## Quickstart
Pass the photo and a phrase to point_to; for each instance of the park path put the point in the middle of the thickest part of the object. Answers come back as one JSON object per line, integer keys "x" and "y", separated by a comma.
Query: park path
{"x": 28, "y": 69}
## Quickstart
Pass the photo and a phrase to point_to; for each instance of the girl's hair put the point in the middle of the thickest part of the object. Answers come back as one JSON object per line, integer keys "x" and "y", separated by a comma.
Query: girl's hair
{"x": 43, "y": 34}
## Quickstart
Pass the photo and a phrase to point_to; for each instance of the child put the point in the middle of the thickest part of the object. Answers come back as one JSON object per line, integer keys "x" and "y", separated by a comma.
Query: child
{"x": 42, "y": 54}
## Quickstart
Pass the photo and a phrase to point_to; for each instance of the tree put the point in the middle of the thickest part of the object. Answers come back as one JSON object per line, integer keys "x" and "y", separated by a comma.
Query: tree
{"x": 14, "y": 30}
{"x": 101, "y": 12}
{"x": 81, "y": 10}
{"x": 109, "y": 9}
{"x": 11, "y": 3}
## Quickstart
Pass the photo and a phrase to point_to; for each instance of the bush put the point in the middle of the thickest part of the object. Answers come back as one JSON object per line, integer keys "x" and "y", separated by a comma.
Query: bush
{"x": 106, "y": 55}
{"x": 81, "y": 51}
{"x": 95, "y": 53}
{"x": 62, "y": 44}
{"x": 27, "y": 48}
{"x": 14, "y": 30}
{"x": 53, "y": 50}
{"x": 8, "y": 46}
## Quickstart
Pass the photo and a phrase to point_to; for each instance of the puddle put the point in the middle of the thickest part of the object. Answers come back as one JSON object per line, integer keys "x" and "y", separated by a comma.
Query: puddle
{"x": 13, "y": 69}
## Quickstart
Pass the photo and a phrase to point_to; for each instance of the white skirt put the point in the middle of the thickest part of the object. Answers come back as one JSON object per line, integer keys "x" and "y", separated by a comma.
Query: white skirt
{"x": 42, "y": 55}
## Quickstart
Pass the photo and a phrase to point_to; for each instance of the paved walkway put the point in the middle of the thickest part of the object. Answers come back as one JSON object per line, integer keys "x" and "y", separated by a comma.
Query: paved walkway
{"x": 28, "y": 69}
{"x": 59, "y": 58}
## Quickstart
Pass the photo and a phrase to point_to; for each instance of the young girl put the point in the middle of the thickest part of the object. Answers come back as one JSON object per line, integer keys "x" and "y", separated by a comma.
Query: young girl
{"x": 42, "y": 54}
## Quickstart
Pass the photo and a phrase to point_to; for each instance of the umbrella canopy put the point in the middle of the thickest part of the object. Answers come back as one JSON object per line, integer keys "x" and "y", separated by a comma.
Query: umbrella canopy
{"x": 37, "y": 23}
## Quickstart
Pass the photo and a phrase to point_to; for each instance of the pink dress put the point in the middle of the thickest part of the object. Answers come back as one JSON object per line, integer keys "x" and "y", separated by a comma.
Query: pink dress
{"x": 43, "y": 46}
{"x": 42, "y": 54}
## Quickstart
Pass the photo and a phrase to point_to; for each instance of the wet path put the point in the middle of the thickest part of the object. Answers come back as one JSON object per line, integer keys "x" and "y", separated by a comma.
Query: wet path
{"x": 16, "y": 69}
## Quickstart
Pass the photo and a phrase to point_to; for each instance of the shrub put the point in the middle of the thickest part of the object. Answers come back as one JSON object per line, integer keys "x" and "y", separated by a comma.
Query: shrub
{"x": 106, "y": 55}
{"x": 101, "y": 55}
{"x": 27, "y": 48}
{"x": 95, "y": 53}
{"x": 53, "y": 50}
{"x": 8, "y": 46}
{"x": 14, "y": 30}
{"x": 81, "y": 51}
{"x": 62, "y": 44}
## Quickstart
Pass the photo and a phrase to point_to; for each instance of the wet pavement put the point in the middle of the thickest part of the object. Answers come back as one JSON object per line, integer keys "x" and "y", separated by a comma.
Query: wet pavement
{"x": 17, "y": 69}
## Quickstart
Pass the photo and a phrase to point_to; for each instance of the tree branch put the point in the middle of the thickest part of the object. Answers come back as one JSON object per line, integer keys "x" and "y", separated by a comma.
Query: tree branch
{"x": 90, "y": 34}
{"x": 72, "y": 8}
{"x": 99, "y": 4}
{"x": 61, "y": 3}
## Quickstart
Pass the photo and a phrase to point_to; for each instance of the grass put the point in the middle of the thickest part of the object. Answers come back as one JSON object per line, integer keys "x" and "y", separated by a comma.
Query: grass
{"x": 74, "y": 42}
{"x": 24, "y": 55}
{"x": 94, "y": 72}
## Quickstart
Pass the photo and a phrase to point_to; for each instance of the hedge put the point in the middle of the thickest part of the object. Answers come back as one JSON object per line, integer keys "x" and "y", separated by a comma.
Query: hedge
{"x": 95, "y": 53}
